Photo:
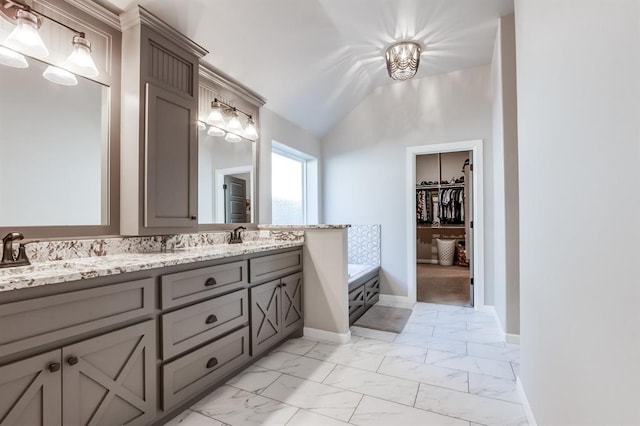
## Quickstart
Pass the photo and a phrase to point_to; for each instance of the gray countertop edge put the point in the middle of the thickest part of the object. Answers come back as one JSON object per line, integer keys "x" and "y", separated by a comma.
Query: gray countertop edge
{"x": 60, "y": 271}
{"x": 304, "y": 227}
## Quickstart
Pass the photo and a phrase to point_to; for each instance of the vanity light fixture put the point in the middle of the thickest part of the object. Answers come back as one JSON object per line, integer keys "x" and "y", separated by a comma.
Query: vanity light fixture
{"x": 232, "y": 129}
{"x": 403, "y": 59}
{"x": 26, "y": 39}
{"x": 12, "y": 59}
{"x": 60, "y": 76}
{"x": 201, "y": 125}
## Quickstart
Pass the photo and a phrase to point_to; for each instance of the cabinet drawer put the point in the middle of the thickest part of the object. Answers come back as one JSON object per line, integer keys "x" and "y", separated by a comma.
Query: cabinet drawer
{"x": 194, "y": 372}
{"x": 198, "y": 284}
{"x": 276, "y": 265}
{"x": 191, "y": 326}
{"x": 372, "y": 291}
{"x": 356, "y": 303}
{"x": 43, "y": 320}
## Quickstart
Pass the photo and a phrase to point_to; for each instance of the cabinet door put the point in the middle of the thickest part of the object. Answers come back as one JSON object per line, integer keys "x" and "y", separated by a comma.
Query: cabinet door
{"x": 266, "y": 316}
{"x": 171, "y": 174}
{"x": 111, "y": 379}
{"x": 291, "y": 303}
{"x": 30, "y": 391}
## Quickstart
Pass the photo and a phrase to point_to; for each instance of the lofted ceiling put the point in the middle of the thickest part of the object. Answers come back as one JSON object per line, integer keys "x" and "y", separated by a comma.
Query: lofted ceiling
{"x": 315, "y": 60}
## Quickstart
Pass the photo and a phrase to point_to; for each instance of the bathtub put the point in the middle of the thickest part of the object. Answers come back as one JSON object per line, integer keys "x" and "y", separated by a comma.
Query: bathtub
{"x": 357, "y": 270}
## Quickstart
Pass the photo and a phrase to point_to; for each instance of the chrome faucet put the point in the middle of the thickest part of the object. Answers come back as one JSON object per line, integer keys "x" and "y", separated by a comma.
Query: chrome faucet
{"x": 8, "y": 259}
{"x": 236, "y": 235}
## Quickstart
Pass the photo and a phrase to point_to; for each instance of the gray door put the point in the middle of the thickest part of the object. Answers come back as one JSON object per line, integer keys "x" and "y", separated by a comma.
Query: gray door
{"x": 266, "y": 317}
{"x": 291, "y": 303}
{"x": 171, "y": 160}
{"x": 110, "y": 379}
{"x": 235, "y": 200}
{"x": 30, "y": 391}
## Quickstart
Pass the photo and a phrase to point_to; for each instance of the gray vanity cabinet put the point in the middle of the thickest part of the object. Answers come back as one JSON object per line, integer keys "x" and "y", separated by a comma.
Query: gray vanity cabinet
{"x": 109, "y": 379}
{"x": 30, "y": 391}
{"x": 276, "y": 311}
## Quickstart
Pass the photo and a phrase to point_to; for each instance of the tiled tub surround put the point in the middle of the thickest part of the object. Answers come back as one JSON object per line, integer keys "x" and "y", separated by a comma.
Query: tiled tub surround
{"x": 364, "y": 245}
{"x": 69, "y": 260}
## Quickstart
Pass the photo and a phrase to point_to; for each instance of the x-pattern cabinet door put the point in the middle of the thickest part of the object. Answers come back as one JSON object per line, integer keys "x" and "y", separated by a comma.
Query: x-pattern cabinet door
{"x": 30, "y": 391}
{"x": 110, "y": 379}
{"x": 291, "y": 303}
{"x": 266, "y": 306}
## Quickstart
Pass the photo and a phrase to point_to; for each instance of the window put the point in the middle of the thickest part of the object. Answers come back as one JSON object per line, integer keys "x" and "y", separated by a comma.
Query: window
{"x": 293, "y": 187}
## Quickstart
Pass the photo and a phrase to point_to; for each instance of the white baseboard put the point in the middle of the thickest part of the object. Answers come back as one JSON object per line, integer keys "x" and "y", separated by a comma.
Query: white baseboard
{"x": 525, "y": 403}
{"x": 395, "y": 301}
{"x": 430, "y": 261}
{"x": 512, "y": 338}
{"x": 327, "y": 336}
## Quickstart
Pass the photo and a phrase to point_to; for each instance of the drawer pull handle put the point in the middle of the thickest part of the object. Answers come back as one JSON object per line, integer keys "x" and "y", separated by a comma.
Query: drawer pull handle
{"x": 212, "y": 362}
{"x": 209, "y": 282}
{"x": 72, "y": 360}
{"x": 211, "y": 319}
{"x": 54, "y": 366}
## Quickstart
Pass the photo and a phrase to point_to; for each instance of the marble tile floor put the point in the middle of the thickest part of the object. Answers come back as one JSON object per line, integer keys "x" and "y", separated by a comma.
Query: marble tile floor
{"x": 449, "y": 366}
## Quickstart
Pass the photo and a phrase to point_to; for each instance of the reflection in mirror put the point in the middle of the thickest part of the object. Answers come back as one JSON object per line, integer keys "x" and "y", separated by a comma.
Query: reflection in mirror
{"x": 54, "y": 150}
{"x": 225, "y": 180}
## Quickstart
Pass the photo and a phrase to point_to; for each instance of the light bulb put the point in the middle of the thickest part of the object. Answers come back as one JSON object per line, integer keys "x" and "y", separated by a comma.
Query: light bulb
{"x": 250, "y": 131}
{"x": 234, "y": 124}
{"x": 216, "y": 131}
{"x": 215, "y": 117}
{"x": 59, "y": 76}
{"x": 25, "y": 38}
{"x": 232, "y": 137}
{"x": 12, "y": 59}
{"x": 201, "y": 125}
{"x": 80, "y": 60}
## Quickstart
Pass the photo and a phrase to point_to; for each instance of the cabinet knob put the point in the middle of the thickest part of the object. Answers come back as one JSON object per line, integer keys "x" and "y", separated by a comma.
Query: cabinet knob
{"x": 284, "y": 284}
{"x": 54, "y": 366}
{"x": 211, "y": 319}
{"x": 194, "y": 217}
{"x": 72, "y": 360}
{"x": 212, "y": 362}
{"x": 209, "y": 282}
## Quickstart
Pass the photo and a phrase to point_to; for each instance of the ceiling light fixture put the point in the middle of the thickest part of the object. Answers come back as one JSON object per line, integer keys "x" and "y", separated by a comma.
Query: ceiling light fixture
{"x": 25, "y": 38}
{"x": 232, "y": 129}
{"x": 403, "y": 59}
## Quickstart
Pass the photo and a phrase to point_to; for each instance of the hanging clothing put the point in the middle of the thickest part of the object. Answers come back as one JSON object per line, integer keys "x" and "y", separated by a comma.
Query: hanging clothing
{"x": 451, "y": 210}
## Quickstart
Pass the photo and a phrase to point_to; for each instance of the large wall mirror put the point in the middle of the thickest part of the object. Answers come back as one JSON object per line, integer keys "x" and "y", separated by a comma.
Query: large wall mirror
{"x": 54, "y": 147}
{"x": 60, "y": 144}
{"x": 227, "y": 171}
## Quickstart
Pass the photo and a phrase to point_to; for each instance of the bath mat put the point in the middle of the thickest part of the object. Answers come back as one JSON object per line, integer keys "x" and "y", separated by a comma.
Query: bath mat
{"x": 385, "y": 318}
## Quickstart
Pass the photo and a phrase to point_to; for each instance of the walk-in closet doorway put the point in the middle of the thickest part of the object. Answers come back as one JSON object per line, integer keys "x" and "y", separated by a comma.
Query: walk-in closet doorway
{"x": 445, "y": 229}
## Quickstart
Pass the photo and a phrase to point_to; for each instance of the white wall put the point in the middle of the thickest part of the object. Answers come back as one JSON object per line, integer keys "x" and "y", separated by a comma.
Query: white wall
{"x": 273, "y": 127}
{"x": 505, "y": 178}
{"x": 578, "y": 106}
{"x": 364, "y": 175}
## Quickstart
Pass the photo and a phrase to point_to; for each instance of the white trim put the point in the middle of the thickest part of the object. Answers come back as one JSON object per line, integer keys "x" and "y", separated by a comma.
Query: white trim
{"x": 478, "y": 212}
{"x": 327, "y": 336}
{"x": 514, "y": 339}
{"x": 525, "y": 403}
{"x": 218, "y": 192}
{"x": 395, "y": 301}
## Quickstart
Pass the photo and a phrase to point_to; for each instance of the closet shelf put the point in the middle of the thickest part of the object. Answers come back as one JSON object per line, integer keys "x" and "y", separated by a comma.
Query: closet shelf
{"x": 441, "y": 186}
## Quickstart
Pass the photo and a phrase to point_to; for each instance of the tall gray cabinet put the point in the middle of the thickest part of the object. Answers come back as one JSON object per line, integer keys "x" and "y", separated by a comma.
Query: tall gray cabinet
{"x": 159, "y": 147}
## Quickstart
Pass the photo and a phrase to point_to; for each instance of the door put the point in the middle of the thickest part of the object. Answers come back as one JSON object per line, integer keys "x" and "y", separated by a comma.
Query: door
{"x": 469, "y": 227}
{"x": 235, "y": 200}
{"x": 110, "y": 379}
{"x": 31, "y": 391}
{"x": 171, "y": 167}
{"x": 291, "y": 303}
{"x": 266, "y": 317}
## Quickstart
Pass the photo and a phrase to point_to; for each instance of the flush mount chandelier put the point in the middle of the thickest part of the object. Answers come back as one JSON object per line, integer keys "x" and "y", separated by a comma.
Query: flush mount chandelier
{"x": 223, "y": 120}
{"x": 403, "y": 59}
{"x": 25, "y": 40}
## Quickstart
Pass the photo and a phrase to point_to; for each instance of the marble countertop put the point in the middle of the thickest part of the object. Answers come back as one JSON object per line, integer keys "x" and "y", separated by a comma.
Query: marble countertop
{"x": 59, "y": 271}
{"x": 322, "y": 226}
